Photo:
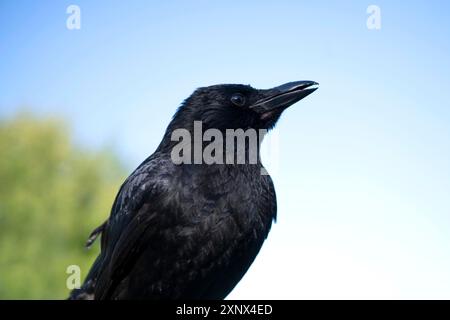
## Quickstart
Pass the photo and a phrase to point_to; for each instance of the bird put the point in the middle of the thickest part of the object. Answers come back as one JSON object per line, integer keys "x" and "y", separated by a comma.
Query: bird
{"x": 192, "y": 230}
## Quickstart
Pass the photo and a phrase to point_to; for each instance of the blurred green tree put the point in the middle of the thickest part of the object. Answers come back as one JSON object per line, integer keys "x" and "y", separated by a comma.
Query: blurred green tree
{"x": 52, "y": 194}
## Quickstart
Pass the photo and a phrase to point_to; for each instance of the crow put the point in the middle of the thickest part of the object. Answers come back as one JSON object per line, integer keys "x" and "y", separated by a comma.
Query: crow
{"x": 192, "y": 230}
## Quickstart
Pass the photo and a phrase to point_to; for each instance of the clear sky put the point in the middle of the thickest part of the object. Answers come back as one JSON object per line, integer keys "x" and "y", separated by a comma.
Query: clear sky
{"x": 362, "y": 171}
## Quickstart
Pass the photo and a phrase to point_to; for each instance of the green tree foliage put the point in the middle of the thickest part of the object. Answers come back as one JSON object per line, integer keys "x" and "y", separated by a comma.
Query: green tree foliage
{"x": 52, "y": 194}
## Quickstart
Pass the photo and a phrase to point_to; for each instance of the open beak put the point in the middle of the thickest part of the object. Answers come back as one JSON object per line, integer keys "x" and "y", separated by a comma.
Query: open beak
{"x": 279, "y": 98}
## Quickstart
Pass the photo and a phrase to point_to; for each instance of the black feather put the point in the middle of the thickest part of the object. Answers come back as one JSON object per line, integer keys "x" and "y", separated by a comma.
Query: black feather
{"x": 186, "y": 231}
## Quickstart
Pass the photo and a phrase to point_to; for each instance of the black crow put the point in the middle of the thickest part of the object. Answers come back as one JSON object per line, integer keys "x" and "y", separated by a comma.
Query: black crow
{"x": 191, "y": 230}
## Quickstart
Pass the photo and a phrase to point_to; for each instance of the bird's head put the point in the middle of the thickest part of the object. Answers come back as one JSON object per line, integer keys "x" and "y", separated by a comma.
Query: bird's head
{"x": 233, "y": 106}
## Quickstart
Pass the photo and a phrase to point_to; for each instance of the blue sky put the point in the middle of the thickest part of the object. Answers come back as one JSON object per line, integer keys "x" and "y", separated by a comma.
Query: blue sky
{"x": 363, "y": 165}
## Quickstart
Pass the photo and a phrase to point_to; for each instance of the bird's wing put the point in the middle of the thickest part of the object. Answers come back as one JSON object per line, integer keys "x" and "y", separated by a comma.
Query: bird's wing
{"x": 130, "y": 226}
{"x": 122, "y": 257}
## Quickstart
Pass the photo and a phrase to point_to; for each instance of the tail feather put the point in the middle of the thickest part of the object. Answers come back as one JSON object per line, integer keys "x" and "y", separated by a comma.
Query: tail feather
{"x": 86, "y": 292}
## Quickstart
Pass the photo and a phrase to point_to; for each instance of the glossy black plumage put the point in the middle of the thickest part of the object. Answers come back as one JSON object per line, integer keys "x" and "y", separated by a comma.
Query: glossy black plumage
{"x": 191, "y": 231}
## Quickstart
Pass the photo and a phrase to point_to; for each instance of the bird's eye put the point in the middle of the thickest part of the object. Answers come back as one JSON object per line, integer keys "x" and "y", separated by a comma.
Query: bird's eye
{"x": 238, "y": 99}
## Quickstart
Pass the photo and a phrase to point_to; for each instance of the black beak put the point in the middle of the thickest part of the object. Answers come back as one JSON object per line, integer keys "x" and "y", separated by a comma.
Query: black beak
{"x": 281, "y": 97}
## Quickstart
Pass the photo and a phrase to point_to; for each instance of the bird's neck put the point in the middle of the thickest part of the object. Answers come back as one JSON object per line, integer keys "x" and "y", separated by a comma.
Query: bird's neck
{"x": 195, "y": 145}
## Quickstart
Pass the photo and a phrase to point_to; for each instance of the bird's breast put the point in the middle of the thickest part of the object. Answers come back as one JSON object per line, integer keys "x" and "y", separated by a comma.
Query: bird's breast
{"x": 237, "y": 200}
